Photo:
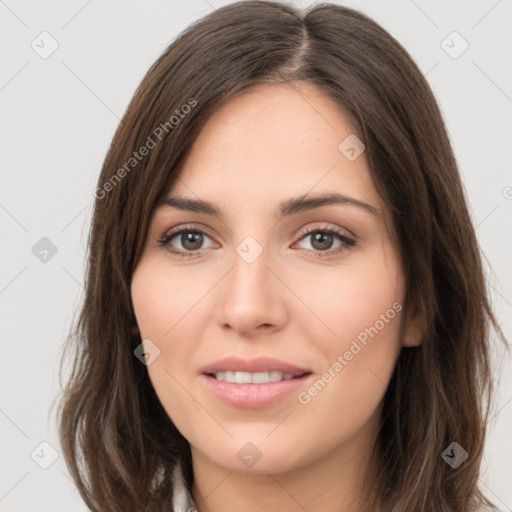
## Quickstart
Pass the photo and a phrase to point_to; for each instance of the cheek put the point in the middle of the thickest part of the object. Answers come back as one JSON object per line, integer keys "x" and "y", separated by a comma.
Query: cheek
{"x": 169, "y": 312}
{"x": 349, "y": 300}
{"x": 362, "y": 307}
{"x": 158, "y": 308}
{"x": 163, "y": 300}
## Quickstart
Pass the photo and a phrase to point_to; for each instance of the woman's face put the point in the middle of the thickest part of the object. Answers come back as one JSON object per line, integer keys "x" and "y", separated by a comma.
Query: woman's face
{"x": 295, "y": 298}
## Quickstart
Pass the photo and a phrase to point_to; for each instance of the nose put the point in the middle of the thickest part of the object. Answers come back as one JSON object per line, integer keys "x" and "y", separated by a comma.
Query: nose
{"x": 252, "y": 299}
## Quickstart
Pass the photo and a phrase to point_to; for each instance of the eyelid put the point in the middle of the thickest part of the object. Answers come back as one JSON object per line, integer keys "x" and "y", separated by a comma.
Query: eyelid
{"x": 170, "y": 234}
{"x": 327, "y": 227}
{"x": 347, "y": 242}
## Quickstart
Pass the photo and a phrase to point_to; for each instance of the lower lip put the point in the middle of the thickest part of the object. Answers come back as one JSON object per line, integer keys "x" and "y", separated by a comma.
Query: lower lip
{"x": 253, "y": 396}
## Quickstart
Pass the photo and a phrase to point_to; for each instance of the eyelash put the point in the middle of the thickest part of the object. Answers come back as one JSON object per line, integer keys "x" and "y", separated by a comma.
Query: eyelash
{"x": 347, "y": 242}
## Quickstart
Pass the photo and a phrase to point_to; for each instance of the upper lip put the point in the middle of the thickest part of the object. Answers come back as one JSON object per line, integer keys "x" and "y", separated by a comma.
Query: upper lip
{"x": 258, "y": 364}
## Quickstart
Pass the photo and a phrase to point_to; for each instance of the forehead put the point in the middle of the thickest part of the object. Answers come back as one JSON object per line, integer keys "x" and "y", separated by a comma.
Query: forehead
{"x": 274, "y": 141}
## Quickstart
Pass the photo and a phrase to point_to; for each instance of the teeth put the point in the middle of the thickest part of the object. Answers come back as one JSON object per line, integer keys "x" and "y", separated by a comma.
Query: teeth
{"x": 260, "y": 377}
{"x": 243, "y": 378}
{"x": 253, "y": 378}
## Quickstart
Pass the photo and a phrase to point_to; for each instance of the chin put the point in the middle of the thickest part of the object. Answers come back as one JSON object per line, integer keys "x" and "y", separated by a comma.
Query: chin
{"x": 259, "y": 456}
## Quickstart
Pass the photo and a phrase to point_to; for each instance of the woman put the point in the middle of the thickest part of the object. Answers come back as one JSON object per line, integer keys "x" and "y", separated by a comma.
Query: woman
{"x": 285, "y": 307}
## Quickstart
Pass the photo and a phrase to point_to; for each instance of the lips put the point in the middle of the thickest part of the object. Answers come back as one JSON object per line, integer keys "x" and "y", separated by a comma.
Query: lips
{"x": 256, "y": 365}
{"x": 253, "y": 383}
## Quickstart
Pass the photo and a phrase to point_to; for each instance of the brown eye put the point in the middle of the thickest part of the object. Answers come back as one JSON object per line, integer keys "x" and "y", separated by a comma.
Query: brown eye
{"x": 321, "y": 241}
{"x": 186, "y": 241}
{"x": 326, "y": 241}
{"x": 191, "y": 240}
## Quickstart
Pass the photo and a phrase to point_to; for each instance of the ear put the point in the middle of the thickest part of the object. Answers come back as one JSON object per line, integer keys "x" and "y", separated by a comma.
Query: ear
{"x": 414, "y": 327}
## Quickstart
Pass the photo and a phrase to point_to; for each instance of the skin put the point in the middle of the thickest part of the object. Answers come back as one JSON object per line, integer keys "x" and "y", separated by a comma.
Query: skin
{"x": 270, "y": 144}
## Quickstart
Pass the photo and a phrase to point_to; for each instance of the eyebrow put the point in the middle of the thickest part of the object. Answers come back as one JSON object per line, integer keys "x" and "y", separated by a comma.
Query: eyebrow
{"x": 290, "y": 206}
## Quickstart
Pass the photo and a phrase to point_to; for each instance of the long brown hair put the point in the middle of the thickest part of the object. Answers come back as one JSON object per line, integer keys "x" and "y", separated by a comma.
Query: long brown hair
{"x": 118, "y": 441}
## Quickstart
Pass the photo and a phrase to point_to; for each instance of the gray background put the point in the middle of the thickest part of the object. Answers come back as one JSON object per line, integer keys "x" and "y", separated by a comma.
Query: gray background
{"x": 58, "y": 117}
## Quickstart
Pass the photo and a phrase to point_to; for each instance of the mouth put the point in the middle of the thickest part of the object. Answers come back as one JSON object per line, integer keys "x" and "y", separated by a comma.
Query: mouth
{"x": 254, "y": 383}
